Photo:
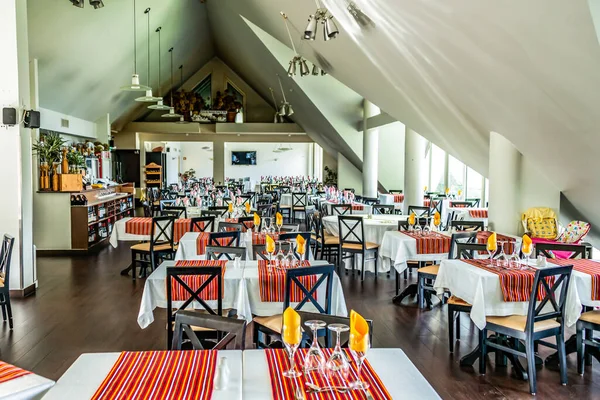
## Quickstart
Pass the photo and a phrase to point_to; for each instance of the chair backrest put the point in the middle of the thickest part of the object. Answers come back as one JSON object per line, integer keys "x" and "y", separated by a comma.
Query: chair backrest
{"x": 221, "y": 209}
{"x": 548, "y": 249}
{"x": 284, "y": 189}
{"x": 181, "y": 211}
{"x": 474, "y": 202}
{"x": 266, "y": 210}
{"x": 403, "y": 225}
{"x": 370, "y": 201}
{"x": 461, "y": 204}
{"x": 460, "y": 238}
{"x": 330, "y": 337}
{"x": 186, "y": 320}
{"x": 291, "y": 236}
{"x": 161, "y": 232}
{"x": 212, "y": 213}
{"x": 247, "y": 222}
{"x": 314, "y": 223}
{"x": 437, "y": 204}
{"x": 202, "y": 224}
{"x": 292, "y": 279}
{"x": 553, "y": 282}
{"x": 225, "y": 253}
{"x": 341, "y": 209}
{"x": 420, "y": 211}
{"x": 224, "y": 239}
{"x": 290, "y": 227}
{"x": 230, "y": 226}
{"x": 396, "y": 191}
{"x": 166, "y": 203}
{"x": 299, "y": 200}
{"x": 467, "y": 225}
{"x": 468, "y": 251}
{"x": 383, "y": 209}
{"x": 5, "y": 256}
{"x": 260, "y": 251}
{"x": 351, "y": 230}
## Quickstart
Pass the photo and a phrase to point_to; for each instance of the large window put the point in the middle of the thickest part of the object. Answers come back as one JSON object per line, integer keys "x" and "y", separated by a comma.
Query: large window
{"x": 438, "y": 169}
{"x": 456, "y": 174}
{"x": 474, "y": 184}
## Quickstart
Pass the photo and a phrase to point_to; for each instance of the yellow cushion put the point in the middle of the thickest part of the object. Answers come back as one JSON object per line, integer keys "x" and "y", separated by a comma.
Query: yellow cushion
{"x": 591, "y": 316}
{"x": 517, "y": 322}
{"x": 544, "y": 228}
{"x": 329, "y": 240}
{"x": 274, "y": 322}
{"x": 146, "y": 247}
{"x": 285, "y": 206}
{"x": 356, "y": 246}
{"x": 458, "y": 301}
{"x": 431, "y": 270}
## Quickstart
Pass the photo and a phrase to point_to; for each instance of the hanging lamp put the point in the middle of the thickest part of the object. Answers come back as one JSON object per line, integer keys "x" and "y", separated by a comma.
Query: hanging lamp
{"x": 171, "y": 113}
{"x": 159, "y": 105}
{"x": 286, "y": 108}
{"x": 277, "y": 117}
{"x": 135, "y": 78}
{"x": 182, "y": 119}
{"x": 148, "y": 98}
{"x": 297, "y": 62}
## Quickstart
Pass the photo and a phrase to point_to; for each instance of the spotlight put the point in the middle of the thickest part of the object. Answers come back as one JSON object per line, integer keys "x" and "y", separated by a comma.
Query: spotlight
{"x": 310, "y": 33}
{"x": 290, "y": 111}
{"x": 323, "y": 72}
{"x": 360, "y": 17}
{"x": 292, "y": 68}
{"x": 315, "y": 70}
{"x": 78, "y": 3}
{"x": 283, "y": 110}
{"x": 96, "y": 4}
{"x": 330, "y": 30}
{"x": 304, "y": 70}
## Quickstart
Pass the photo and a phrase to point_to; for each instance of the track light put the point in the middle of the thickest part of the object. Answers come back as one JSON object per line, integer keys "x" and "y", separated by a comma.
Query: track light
{"x": 292, "y": 68}
{"x": 315, "y": 70}
{"x": 78, "y": 3}
{"x": 298, "y": 61}
{"x": 330, "y": 29}
{"x": 310, "y": 33}
{"x": 286, "y": 108}
{"x": 96, "y": 4}
{"x": 360, "y": 17}
{"x": 304, "y": 70}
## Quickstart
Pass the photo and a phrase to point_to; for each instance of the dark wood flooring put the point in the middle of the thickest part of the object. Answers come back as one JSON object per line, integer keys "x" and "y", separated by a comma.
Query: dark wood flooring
{"x": 83, "y": 305}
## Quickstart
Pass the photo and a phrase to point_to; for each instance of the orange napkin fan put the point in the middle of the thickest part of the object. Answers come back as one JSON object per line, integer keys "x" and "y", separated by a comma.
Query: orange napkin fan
{"x": 230, "y": 208}
{"x": 256, "y": 220}
{"x": 247, "y": 207}
{"x": 270, "y": 244}
{"x": 526, "y": 244}
{"x": 492, "y": 244}
{"x": 359, "y": 332}
{"x": 278, "y": 219}
{"x": 291, "y": 332}
{"x": 300, "y": 244}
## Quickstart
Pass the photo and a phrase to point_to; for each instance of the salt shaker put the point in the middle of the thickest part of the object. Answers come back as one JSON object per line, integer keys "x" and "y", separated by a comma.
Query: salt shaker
{"x": 221, "y": 375}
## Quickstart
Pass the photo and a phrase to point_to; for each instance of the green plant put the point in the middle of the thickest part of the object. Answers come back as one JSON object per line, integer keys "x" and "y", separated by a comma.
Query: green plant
{"x": 330, "y": 176}
{"x": 76, "y": 159}
{"x": 49, "y": 147}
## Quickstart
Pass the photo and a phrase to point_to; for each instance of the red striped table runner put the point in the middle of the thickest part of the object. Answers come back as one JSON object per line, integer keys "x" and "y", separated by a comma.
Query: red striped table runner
{"x": 202, "y": 242}
{"x": 516, "y": 284}
{"x": 358, "y": 207}
{"x": 433, "y": 243}
{"x": 160, "y": 375}
{"x": 478, "y": 213}
{"x": 259, "y": 238}
{"x": 587, "y": 267}
{"x": 399, "y": 198}
{"x": 246, "y": 224}
{"x": 8, "y": 372}
{"x": 509, "y": 246}
{"x": 271, "y": 283}
{"x": 455, "y": 205}
{"x": 284, "y": 388}
{"x": 194, "y": 282}
{"x": 143, "y": 226}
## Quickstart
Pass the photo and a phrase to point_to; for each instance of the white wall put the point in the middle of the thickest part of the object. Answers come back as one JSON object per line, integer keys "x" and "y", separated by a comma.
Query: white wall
{"x": 173, "y": 161}
{"x": 348, "y": 175}
{"x": 391, "y": 155}
{"x": 193, "y": 156}
{"x": 77, "y": 127}
{"x": 293, "y": 162}
{"x": 536, "y": 189}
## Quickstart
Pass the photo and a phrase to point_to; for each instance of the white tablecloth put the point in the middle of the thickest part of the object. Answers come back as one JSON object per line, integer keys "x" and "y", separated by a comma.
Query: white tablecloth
{"x": 397, "y": 248}
{"x": 365, "y": 210}
{"x": 388, "y": 199}
{"x": 399, "y": 375}
{"x": 27, "y": 387}
{"x": 241, "y": 292}
{"x": 118, "y": 234}
{"x": 464, "y": 215}
{"x": 482, "y": 289}
{"x": 87, "y": 373}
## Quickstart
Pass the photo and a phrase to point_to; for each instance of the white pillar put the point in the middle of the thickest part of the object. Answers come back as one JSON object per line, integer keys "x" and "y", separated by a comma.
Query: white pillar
{"x": 504, "y": 212}
{"x": 415, "y": 163}
{"x": 16, "y": 218}
{"x": 370, "y": 151}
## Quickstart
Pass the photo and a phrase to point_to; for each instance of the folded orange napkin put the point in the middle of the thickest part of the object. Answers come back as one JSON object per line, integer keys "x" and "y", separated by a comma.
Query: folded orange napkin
{"x": 300, "y": 244}
{"x": 492, "y": 244}
{"x": 359, "y": 332}
{"x": 291, "y": 332}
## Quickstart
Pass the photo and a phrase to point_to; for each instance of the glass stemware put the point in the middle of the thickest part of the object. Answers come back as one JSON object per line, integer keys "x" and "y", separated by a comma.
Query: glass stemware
{"x": 280, "y": 257}
{"x": 315, "y": 360}
{"x": 337, "y": 365}
{"x": 527, "y": 253}
{"x": 289, "y": 257}
{"x": 360, "y": 356}
{"x": 291, "y": 349}
{"x": 417, "y": 227}
{"x": 491, "y": 251}
{"x": 502, "y": 259}
{"x": 279, "y": 225}
{"x": 514, "y": 257}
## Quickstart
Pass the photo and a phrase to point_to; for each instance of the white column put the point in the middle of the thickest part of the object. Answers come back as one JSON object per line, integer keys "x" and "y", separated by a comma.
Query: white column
{"x": 15, "y": 143}
{"x": 504, "y": 213}
{"x": 415, "y": 163}
{"x": 370, "y": 151}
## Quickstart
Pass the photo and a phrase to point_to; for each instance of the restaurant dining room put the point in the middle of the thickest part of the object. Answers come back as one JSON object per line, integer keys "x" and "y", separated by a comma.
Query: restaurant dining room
{"x": 299, "y": 199}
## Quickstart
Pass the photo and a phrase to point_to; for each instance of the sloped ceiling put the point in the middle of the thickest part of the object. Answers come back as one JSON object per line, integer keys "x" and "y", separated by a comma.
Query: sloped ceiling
{"x": 85, "y": 55}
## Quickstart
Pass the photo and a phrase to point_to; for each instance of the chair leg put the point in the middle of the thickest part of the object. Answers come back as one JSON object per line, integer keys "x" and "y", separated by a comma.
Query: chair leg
{"x": 562, "y": 358}
{"x": 133, "y": 266}
{"x": 376, "y": 259}
{"x": 482, "y": 351}
{"x": 580, "y": 349}
{"x": 451, "y": 329}
{"x": 8, "y": 310}
{"x": 397, "y": 281}
{"x": 362, "y": 267}
{"x": 420, "y": 291}
{"x": 530, "y": 364}
{"x": 457, "y": 325}
{"x": 406, "y": 273}
{"x": 3, "y": 307}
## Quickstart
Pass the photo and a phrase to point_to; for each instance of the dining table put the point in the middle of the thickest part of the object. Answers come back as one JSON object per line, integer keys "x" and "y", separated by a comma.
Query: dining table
{"x": 397, "y": 200}
{"x": 19, "y": 384}
{"x": 242, "y": 292}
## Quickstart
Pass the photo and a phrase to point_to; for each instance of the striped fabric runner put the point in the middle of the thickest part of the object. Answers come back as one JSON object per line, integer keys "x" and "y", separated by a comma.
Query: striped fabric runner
{"x": 8, "y": 372}
{"x": 143, "y": 227}
{"x": 358, "y": 207}
{"x": 433, "y": 243}
{"x": 202, "y": 242}
{"x": 160, "y": 375}
{"x": 509, "y": 246}
{"x": 272, "y": 283}
{"x": 427, "y": 203}
{"x": 259, "y": 238}
{"x": 399, "y": 198}
{"x": 478, "y": 213}
{"x": 284, "y": 388}
{"x": 194, "y": 282}
{"x": 516, "y": 284}
{"x": 455, "y": 205}
{"x": 247, "y": 224}
{"x": 587, "y": 267}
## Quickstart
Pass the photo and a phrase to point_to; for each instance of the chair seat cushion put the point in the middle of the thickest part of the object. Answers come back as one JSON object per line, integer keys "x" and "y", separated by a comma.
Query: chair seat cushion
{"x": 274, "y": 322}
{"x": 300, "y": 208}
{"x": 284, "y": 206}
{"x": 457, "y": 301}
{"x": 517, "y": 322}
{"x": 329, "y": 240}
{"x": 430, "y": 270}
{"x": 224, "y": 313}
{"x": 146, "y": 247}
{"x": 591, "y": 316}
{"x": 356, "y": 246}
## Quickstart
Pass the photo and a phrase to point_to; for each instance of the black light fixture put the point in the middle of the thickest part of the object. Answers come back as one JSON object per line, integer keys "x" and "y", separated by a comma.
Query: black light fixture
{"x": 78, "y": 3}
{"x": 96, "y": 4}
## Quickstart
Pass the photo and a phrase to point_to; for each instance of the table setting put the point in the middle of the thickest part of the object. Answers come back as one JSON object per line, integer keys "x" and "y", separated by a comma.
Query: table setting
{"x": 20, "y": 384}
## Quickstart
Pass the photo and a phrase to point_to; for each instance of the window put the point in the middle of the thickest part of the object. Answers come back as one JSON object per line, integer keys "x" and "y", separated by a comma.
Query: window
{"x": 474, "y": 184}
{"x": 438, "y": 170}
{"x": 456, "y": 175}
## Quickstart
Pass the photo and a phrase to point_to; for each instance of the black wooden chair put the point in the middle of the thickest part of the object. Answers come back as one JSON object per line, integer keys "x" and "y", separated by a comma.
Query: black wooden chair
{"x": 396, "y": 191}
{"x": 224, "y": 239}
{"x": 383, "y": 209}
{"x": 437, "y": 205}
{"x": 370, "y": 201}
{"x": 260, "y": 250}
{"x": 546, "y": 250}
{"x": 325, "y": 243}
{"x": 536, "y": 325}
{"x": 330, "y": 337}
{"x": 202, "y": 224}
{"x": 467, "y": 225}
{"x": 290, "y": 228}
{"x": 181, "y": 211}
{"x": 474, "y": 202}
{"x": 266, "y": 210}
{"x": 461, "y": 204}
{"x": 351, "y": 235}
{"x": 341, "y": 209}
{"x": 421, "y": 212}
{"x": 214, "y": 214}
{"x": 225, "y": 253}
{"x": 167, "y": 203}
{"x": 159, "y": 247}
{"x": 299, "y": 204}
{"x": 291, "y": 236}
{"x": 230, "y": 226}
{"x": 247, "y": 223}
{"x": 586, "y": 325}
{"x": 5, "y": 258}
{"x": 271, "y": 326}
{"x": 223, "y": 210}
{"x": 187, "y": 321}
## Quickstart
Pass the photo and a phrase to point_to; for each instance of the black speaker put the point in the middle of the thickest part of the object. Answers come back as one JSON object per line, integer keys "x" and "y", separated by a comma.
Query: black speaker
{"x": 9, "y": 116}
{"x": 32, "y": 119}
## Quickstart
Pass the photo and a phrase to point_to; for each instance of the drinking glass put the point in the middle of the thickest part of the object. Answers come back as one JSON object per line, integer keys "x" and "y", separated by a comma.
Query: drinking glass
{"x": 502, "y": 259}
{"x": 514, "y": 257}
{"x": 279, "y": 225}
{"x": 491, "y": 252}
{"x": 417, "y": 227}
{"x": 280, "y": 257}
{"x": 290, "y": 258}
{"x": 359, "y": 356}
{"x": 337, "y": 365}
{"x": 527, "y": 254}
{"x": 291, "y": 349}
{"x": 314, "y": 360}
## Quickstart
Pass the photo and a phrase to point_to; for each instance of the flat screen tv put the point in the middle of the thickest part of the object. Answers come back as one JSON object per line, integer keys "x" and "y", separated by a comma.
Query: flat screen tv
{"x": 243, "y": 158}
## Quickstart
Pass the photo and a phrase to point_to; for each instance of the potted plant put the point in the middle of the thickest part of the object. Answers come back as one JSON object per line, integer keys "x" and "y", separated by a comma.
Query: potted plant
{"x": 48, "y": 149}
{"x": 76, "y": 161}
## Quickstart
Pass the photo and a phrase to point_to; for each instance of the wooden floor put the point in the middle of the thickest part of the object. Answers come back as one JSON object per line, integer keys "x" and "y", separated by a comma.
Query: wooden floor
{"x": 83, "y": 305}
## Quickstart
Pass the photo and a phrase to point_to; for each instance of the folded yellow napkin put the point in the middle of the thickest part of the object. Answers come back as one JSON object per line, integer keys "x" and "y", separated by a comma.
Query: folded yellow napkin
{"x": 526, "y": 248}
{"x": 278, "y": 219}
{"x": 230, "y": 207}
{"x": 411, "y": 219}
{"x": 425, "y": 189}
{"x": 359, "y": 332}
{"x": 447, "y": 191}
{"x": 291, "y": 332}
{"x": 270, "y": 244}
{"x": 247, "y": 207}
{"x": 459, "y": 192}
{"x": 300, "y": 244}
{"x": 437, "y": 218}
{"x": 492, "y": 244}
{"x": 256, "y": 220}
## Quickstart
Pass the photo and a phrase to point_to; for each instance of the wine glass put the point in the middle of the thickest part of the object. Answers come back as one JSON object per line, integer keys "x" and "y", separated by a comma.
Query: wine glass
{"x": 359, "y": 349}
{"x": 314, "y": 360}
{"x": 279, "y": 223}
{"x": 290, "y": 258}
{"x": 502, "y": 257}
{"x": 417, "y": 227}
{"x": 280, "y": 257}
{"x": 337, "y": 365}
{"x": 491, "y": 250}
{"x": 527, "y": 253}
{"x": 514, "y": 257}
{"x": 291, "y": 340}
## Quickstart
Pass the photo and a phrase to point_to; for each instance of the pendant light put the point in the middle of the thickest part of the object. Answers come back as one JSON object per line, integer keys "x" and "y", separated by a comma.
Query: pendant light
{"x": 182, "y": 119}
{"x": 297, "y": 62}
{"x": 148, "y": 98}
{"x": 277, "y": 117}
{"x": 286, "y": 108}
{"x": 135, "y": 78}
{"x": 159, "y": 105}
{"x": 171, "y": 113}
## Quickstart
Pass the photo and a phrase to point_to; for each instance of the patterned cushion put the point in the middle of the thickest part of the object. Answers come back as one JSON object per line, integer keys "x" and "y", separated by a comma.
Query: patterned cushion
{"x": 545, "y": 228}
{"x": 574, "y": 232}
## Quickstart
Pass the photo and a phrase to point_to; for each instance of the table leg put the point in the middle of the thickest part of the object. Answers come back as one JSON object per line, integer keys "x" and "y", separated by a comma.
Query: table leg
{"x": 126, "y": 270}
{"x": 571, "y": 347}
{"x": 411, "y": 290}
{"x": 500, "y": 357}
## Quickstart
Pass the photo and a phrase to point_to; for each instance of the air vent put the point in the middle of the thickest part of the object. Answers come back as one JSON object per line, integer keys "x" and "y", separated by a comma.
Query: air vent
{"x": 64, "y": 123}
